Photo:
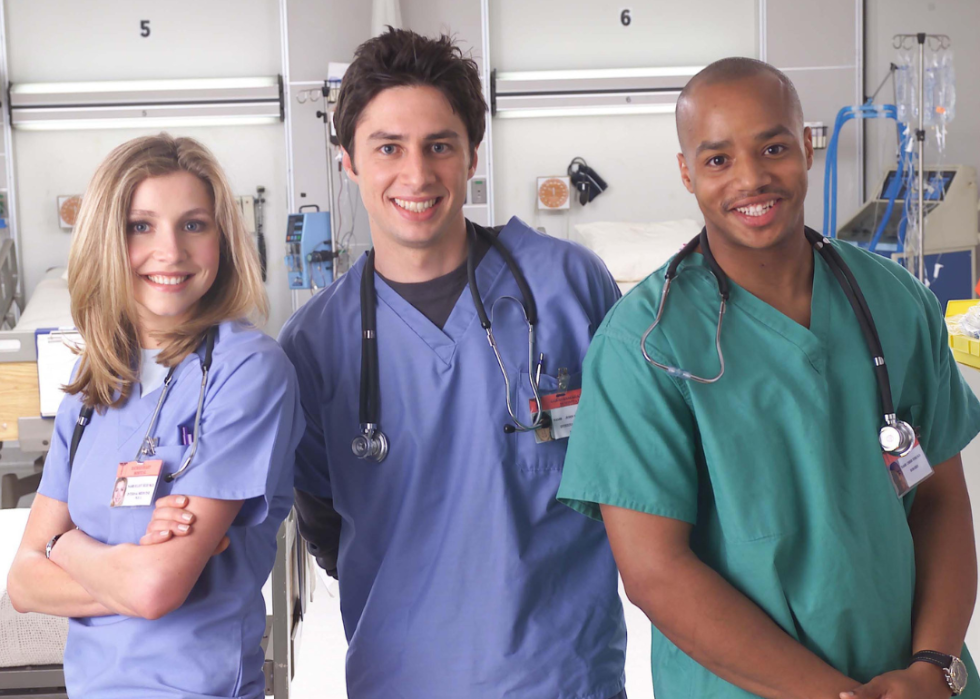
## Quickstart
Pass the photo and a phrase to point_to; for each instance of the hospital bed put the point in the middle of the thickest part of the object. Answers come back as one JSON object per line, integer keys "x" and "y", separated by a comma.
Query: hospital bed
{"x": 20, "y": 411}
{"x": 32, "y": 645}
{"x": 632, "y": 251}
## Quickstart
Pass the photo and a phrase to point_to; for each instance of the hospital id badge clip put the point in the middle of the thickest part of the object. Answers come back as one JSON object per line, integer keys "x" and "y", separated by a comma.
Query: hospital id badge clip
{"x": 560, "y": 408}
{"x": 136, "y": 483}
{"x": 909, "y": 470}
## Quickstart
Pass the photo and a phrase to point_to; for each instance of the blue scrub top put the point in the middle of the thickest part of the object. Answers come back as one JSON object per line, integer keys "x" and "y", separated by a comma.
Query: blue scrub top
{"x": 250, "y": 426}
{"x": 460, "y": 574}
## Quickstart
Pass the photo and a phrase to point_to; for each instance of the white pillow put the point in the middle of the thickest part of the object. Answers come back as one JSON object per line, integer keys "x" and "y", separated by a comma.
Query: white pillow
{"x": 632, "y": 251}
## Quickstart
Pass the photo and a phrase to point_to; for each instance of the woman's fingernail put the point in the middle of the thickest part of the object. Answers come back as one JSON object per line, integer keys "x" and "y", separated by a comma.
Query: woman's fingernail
{"x": 183, "y": 527}
{"x": 187, "y": 516}
{"x": 163, "y": 534}
{"x": 181, "y": 500}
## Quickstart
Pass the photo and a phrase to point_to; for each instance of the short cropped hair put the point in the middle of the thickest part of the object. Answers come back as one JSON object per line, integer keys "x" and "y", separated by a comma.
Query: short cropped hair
{"x": 402, "y": 58}
{"x": 732, "y": 70}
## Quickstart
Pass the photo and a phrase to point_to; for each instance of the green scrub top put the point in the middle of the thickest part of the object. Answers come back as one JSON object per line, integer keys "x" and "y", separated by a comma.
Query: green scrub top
{"x": 777, "y": 465}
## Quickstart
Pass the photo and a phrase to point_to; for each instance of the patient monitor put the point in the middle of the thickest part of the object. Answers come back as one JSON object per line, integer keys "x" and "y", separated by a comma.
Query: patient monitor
{"x": 309, "y": 248}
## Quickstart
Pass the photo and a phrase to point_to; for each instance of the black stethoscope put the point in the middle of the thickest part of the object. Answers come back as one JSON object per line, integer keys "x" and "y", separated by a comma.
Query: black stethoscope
{"x": 896, "y": 436}
{"x": 149, "y": 444}
{"x": 372, "y": 443}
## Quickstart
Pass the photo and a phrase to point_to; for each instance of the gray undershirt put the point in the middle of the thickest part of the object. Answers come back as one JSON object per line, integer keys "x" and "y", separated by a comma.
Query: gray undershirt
{"x": 436, "y": 298}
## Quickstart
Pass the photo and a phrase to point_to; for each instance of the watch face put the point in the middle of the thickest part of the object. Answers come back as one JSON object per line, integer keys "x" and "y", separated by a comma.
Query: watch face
{"x": 957, "y": 675}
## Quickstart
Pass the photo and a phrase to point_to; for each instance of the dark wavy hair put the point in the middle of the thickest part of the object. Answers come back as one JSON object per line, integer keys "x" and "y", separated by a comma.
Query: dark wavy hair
{"x": 402, "y": 58}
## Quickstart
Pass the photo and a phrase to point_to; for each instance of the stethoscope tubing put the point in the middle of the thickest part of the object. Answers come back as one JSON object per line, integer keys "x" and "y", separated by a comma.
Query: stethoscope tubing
{"x": 369, "y": 407}
{"x": 148, "y": 445}
{"x": 852, "y": 291}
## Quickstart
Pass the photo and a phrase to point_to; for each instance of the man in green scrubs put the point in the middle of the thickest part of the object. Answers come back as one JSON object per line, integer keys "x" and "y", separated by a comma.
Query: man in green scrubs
{"x": 754, "y": 519}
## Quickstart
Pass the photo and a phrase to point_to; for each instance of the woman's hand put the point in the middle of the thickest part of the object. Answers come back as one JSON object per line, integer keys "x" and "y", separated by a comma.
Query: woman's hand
{"x": 172, "y": 518}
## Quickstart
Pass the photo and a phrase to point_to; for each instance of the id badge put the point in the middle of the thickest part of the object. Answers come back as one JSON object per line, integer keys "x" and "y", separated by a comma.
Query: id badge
{"x": 136, "y": 483}
{"x": 561, "y": 408}
{"x": 908, "y": 471}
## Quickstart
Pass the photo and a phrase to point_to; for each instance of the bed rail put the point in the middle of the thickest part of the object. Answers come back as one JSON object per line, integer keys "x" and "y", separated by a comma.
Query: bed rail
{"x": 8, "y": 283}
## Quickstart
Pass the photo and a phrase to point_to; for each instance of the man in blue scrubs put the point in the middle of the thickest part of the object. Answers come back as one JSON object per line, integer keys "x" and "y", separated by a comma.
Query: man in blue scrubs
{"x": 461, "y": 576}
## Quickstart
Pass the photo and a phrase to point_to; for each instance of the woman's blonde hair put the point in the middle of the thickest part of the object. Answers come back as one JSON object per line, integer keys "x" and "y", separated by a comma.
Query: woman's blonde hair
{"x": 100, "y": 280}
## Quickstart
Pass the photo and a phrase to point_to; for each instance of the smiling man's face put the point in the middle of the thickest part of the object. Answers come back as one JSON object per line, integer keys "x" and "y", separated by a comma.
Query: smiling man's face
{"x": 412, "y": 160}
{"x": 745, "y": 156}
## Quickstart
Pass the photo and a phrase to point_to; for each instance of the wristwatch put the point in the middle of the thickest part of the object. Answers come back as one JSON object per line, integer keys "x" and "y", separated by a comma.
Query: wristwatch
{"x": 50, "y": 545}
{"x": 953, "y": 668}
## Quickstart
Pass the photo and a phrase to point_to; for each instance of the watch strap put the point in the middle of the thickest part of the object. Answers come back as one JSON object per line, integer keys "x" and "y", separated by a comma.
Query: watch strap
{"x": 943, "y": 661}
{"x": 933, "y": 657}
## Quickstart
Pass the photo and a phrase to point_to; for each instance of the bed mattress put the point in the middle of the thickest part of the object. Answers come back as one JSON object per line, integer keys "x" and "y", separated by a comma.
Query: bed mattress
{"x": 25, "y": 639}
{"x": 50, "y": 305}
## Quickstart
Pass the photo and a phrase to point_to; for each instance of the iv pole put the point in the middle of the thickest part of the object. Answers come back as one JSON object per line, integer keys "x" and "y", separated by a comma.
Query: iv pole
{"x": 898, "y": 42}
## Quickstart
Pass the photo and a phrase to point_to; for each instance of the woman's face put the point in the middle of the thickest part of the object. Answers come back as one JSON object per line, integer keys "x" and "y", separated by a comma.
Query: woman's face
{"x": 174, "y": 250}
{"x": 119, "y": 492}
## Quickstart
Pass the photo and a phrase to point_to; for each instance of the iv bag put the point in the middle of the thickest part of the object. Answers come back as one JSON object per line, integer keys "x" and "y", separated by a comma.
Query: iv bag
{"x": 932, "y": 87}
{"x": 948, "y": 86}
{"x": 906, "y": 82}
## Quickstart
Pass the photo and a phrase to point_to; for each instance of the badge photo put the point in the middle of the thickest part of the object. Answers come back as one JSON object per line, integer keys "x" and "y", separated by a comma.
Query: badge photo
{"x": 906, "y": 472}
{"x": 136, "y": 483}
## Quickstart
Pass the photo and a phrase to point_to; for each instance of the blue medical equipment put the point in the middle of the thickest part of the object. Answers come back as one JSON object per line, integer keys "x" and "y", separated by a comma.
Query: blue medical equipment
{"x": 309, "y": 249}
{"x": 865, "y": 111}
{"x": 949, "y": 215}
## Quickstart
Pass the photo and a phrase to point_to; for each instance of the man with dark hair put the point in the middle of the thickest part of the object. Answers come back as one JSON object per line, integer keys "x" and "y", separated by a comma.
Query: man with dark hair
{"x": 742, "y": 467}
{"x": 461, "y": 576}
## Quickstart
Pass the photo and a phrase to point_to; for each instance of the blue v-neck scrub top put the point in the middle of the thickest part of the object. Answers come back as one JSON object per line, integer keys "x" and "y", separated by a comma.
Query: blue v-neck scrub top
{"x": 250, "y": 427}
{"x": 460, "y": 573}
{"x": 777, "y": 465}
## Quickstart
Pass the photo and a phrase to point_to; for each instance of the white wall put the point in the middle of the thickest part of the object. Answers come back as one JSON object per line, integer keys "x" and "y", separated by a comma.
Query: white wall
{"x": 51, "y": 41}
{"x": 58, "y": 41}
{"x": 635, "y": 154}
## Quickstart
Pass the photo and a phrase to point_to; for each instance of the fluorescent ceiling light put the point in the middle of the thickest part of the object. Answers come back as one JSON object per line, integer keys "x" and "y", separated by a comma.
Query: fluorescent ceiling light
{"x": 599, "y": 73}
{"x": 141, "y": 85}
{"x": 609, "y": 110}
{"x": 146, "y": 103}
{"x": 146, "y": 123}
{"x": 598, "y": 92}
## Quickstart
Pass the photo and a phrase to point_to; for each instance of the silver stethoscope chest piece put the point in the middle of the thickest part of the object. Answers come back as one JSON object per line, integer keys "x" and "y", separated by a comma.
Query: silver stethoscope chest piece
{"x": 370, "y": 444}
{"x": 896, "y": 438}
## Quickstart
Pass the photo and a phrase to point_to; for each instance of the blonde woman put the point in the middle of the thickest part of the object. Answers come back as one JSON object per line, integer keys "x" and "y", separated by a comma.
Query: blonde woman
{"x": 176, "y": 392}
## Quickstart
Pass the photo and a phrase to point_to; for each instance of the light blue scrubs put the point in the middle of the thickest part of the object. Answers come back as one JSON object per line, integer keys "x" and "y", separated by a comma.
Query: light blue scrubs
{"x": 460, "y": 574}
{"x": 250, "y": 426}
